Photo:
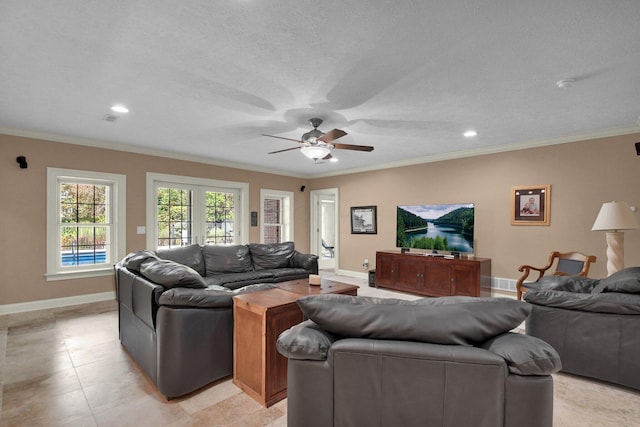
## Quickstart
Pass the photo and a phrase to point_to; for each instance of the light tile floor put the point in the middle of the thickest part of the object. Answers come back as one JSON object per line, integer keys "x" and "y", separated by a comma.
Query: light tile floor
{"x": 66, "y": 367}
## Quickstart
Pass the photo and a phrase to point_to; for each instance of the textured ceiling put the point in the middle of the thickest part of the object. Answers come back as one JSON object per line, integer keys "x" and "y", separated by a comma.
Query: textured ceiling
{"x": 205, "y": 79}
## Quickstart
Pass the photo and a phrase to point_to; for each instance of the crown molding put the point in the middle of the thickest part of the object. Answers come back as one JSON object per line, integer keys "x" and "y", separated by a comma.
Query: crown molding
{"x": 605, "y": 133}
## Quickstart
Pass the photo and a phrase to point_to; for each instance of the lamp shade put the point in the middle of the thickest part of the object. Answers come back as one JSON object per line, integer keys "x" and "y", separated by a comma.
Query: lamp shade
{"x": 615, "y": 216}
{"x": 315, "y": 152}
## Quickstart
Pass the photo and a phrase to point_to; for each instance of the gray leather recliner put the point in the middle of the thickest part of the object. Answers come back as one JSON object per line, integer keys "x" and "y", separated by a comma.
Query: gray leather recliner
{"x": 372, "y": 380}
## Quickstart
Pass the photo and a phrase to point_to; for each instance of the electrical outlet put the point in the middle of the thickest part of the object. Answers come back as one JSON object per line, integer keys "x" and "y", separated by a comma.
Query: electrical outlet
{"x": 365, "y": 264}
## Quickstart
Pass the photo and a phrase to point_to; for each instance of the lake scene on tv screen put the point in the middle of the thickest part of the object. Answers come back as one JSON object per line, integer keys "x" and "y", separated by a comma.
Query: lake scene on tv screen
{"x": 446, "y": 228}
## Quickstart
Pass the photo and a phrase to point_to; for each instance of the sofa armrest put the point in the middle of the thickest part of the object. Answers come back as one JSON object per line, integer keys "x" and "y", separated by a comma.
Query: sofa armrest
{"x": 305, "y": 341}
{"x": 306, "y": 261}
{"x": 525, "y": 355}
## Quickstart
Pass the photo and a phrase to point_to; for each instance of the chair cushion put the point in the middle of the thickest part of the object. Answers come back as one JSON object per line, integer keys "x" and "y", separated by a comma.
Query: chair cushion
{"x": 563, "y": 283}
{"x": 226, "y": 259}
{"x": 171, "y": 274}
{"x": 273, "y": 255}
{"x": 525, "y": 355}
{"x": 447, "y": 320}
{"x": 626, "y": 280}
{"x": 191, "y": 256}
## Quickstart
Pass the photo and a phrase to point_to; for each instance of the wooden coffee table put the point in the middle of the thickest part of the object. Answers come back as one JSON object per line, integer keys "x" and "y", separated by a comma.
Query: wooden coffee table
{"x": 326, "y": 287}
{"x": 259, "y": 319}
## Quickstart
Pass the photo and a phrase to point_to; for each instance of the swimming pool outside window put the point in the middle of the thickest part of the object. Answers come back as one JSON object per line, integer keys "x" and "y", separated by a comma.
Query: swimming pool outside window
{"x": 85, "y": 223}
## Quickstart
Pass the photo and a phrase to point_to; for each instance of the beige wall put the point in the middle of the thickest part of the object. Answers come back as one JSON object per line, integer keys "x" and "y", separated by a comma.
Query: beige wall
{"x": 23, "y": 208}
{"x": 582, "y": 176}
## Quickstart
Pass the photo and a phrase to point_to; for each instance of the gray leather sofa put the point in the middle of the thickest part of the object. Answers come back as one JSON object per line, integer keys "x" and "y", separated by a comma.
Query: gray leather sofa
{"x": 449, "y": 361}
{"x": 593, "y": 324}
{"x": 176, "y": 309}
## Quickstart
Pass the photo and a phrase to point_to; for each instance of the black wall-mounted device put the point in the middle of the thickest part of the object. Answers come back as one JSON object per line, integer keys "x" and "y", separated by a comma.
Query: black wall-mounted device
{"x": 22, "y": 161}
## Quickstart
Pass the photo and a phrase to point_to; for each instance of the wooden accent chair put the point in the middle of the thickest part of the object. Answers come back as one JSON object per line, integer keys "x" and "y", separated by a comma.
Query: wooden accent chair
{"x": 568, "y": 264}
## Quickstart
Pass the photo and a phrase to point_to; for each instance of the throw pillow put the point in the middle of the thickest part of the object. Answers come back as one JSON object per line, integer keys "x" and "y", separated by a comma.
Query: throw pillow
{"x": 171, "y": 274}
{"x": 305, "y": 340}
{"x": 626, "y": 281}
{"x": 133, "y": 260}
{"x": 447, "y": 320}
{"x": 525, "y": 355}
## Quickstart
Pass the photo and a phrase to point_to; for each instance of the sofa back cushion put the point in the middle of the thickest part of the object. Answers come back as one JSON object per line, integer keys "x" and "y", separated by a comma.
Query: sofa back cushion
{"x": 226, "y": 259}
{"x": 273, "y": 255}
{"x": 626, "y": 280}
{"x": 446, "y": 320}
{"x": 171, "y": 274}
{"x": 191, "y": 256}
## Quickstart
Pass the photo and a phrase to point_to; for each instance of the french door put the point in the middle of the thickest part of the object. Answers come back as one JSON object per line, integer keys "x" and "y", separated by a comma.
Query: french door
{"x": 187, "y": 211}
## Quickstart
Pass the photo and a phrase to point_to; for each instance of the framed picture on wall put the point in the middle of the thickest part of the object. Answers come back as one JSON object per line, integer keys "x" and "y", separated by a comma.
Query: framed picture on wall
{"x": 364, "y": 220}
{"x": 530, "y": 205}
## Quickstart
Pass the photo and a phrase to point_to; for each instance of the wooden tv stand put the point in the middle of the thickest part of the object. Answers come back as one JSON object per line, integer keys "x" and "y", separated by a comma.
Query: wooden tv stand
{"x": 421, "y": 274}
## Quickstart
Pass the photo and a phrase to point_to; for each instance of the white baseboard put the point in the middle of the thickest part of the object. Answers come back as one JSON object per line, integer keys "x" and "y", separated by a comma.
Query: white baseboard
{"x": 56, "y": 302}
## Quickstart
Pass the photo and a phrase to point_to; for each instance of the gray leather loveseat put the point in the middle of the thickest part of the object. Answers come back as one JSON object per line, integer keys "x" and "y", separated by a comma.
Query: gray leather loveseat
{"x": 594, "y": 324}
{"x": 449, "y": 361}
{"x": 176, "y": 309}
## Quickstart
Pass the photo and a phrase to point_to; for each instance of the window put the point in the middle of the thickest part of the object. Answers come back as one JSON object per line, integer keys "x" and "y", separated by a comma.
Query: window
{"x": 277, "y": 214}
{"x": 183, "y": 211}
{"x": 85, "y": 223}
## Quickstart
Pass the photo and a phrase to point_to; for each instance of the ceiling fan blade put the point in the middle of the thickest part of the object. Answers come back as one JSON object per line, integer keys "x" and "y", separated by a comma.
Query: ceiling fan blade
{"x": 281, "y": 137}
{"x": 332, "y": 135}
{"x": 352, "y": 147}
{"x": 286, "y": 149}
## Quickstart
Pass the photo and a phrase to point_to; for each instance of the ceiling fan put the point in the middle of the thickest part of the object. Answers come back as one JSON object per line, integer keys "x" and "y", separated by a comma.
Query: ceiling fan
{"x": 317, "y": 145}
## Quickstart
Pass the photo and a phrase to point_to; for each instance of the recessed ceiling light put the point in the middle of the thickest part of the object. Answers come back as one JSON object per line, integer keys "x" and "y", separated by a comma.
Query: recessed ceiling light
{"x": 333, "y": 159}
{"x": 119, "y": 108}
{"x": 470, "y": 133}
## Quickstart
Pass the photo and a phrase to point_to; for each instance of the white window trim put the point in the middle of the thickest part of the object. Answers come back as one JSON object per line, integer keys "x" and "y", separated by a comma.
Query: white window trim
{"x": 287, "y": 212}
{"x": 119, "y": 185}
{"x": 242, "y": 209}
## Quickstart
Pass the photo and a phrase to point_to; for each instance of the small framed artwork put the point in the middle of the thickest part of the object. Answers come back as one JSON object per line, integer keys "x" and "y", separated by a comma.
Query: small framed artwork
{"x": 530, "y": 205}
{"x": 364, "y": 220}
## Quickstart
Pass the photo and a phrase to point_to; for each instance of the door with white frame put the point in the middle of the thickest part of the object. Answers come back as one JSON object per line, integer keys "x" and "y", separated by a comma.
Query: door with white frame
{"x": 324, "y": 227}
{"x": 184, "y": 210}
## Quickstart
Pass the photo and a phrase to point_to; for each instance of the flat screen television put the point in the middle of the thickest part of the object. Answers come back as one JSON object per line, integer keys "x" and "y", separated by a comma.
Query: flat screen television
{"x": 440, "y": 228}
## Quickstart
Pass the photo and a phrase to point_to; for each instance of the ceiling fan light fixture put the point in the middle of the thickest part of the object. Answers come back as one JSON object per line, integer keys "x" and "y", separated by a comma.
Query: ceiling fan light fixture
{"x": 315, "y": 152}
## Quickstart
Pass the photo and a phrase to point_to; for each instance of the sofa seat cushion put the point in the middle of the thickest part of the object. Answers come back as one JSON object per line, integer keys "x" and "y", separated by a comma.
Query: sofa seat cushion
{"x": 281, "y": 274}
{"x": 191, "y": 256}
{"x": 171, "y": 274}
{"x": 525, "y": 355}
{"x": 237, "y": 280}
{"x": 447, "y": 320}
{"x": 210, "y": 297}
{"x": 626, "y": 280}
{"x": 609, "y": 302}
{"x": 226, "y": 259}
{"x": 270, "y": 256}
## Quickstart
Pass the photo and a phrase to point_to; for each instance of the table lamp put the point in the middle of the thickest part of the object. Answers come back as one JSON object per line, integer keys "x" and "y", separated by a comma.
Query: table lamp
{"x": 615, "y": 216}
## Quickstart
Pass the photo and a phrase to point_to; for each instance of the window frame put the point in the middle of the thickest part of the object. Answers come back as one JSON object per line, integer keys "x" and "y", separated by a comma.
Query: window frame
{"x": 117, "y": 224}
{"x": 286, "y": 214}
{"x": 155, "y": 180}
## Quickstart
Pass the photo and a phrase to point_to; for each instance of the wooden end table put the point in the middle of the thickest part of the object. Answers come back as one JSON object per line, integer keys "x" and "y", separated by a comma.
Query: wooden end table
{"x": 258, "y": 320}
